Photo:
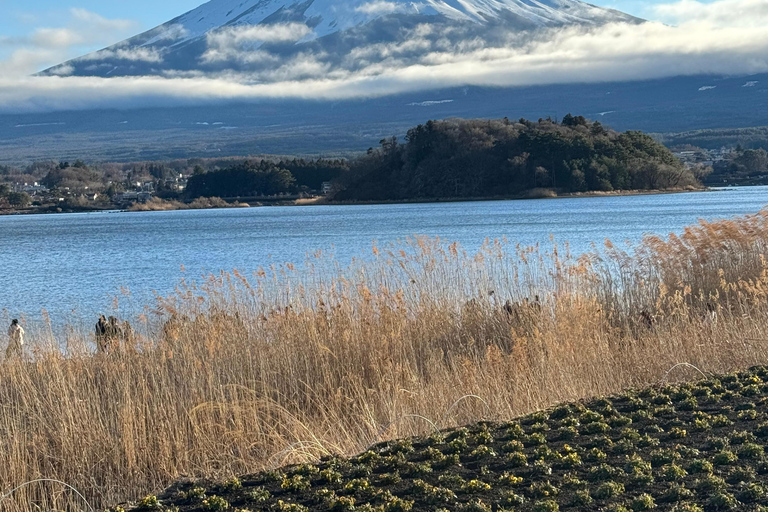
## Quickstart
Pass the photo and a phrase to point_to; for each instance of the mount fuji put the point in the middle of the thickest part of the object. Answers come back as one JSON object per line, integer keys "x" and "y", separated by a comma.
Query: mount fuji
{"x": 259, "y": 36}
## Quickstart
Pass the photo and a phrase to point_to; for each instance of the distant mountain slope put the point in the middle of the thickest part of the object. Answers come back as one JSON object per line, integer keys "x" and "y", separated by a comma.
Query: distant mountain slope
{"x": 251, "y": 35}
{"x": 332, "y": 128}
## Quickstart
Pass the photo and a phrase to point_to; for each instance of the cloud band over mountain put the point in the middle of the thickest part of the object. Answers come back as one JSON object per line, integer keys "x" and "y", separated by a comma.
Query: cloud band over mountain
{"x": 703, "y": 40}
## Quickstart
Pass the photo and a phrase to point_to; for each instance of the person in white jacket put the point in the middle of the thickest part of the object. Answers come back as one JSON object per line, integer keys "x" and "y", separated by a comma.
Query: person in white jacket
{"x": 15, "y": 341}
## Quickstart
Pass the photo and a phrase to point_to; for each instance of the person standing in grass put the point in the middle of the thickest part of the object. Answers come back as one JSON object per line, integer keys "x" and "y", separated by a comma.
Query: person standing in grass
{"x": 15, "y": 341}
{"x": 101, "y": 334}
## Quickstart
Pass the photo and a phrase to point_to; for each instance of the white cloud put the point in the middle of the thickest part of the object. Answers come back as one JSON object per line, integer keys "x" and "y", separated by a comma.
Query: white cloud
{"x": 142, "y": 54}
{"x": 48, "y": 46}
{"x": 723, "y": 13}
{"x": 240, "y": 43}
{"x": 378, "y": 7}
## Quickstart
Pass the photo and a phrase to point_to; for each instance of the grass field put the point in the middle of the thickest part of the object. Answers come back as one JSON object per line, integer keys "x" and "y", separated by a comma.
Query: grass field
{"x": 290, "y": 364}
{"x": 693, "y": 447}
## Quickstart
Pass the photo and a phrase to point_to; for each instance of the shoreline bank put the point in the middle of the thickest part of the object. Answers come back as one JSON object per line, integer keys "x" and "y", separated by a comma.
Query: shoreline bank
{"x": 322, "y": 201}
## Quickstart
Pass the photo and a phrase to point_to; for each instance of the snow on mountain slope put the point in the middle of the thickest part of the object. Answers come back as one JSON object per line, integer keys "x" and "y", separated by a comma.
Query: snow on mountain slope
{"x": 334, "y": 15}
{"x": 228, "y": 34}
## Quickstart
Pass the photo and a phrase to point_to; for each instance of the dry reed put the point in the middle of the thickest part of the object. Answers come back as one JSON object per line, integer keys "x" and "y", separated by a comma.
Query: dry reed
{"x": 289, "y": 364}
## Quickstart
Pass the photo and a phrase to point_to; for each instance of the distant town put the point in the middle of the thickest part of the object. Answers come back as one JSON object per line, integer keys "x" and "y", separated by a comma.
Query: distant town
{"x": 727, "y": 165}
{"x": 77, "y": 186}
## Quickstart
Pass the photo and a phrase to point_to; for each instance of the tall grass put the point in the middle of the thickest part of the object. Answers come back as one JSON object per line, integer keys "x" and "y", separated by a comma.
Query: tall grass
{"x": 288, "y": 364}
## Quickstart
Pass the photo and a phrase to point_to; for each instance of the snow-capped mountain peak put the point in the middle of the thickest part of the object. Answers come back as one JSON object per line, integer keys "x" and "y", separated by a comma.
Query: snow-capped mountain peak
{"x": 243, "y": 35}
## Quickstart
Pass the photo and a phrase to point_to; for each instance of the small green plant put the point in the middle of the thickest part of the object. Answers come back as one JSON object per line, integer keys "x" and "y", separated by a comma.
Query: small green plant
{"x": 546, "y": 506}
{"x": 700, "y": 466}
{"x": 195, "y": 494}
{"x": 751, "y": 493}
{"x": 342, "y": 504}
{"x": 722, "y": 501}
{"x": 330, "y": 476}
{"x": 215, "y": 503}
{"x": 149, "y": 503}
{"x": 608, "y": 490}
{"x": 581, "y": 498}
{"x": 543, "y": 490}
{"x": 710, "y": 483}
{"x": 643, "y": 502}
{"x": 740, "y": 474}
{"x": 482, "y": 451}
{"x": 724, "y": 458}
{"x": 510, "y": 479}
{"x": 283, "y": 506}
{"x": 390, "y": 478}
{"x": 395, "y": 504}
{"x": 233, "y": 484}
{"x": 750, "y": 450}
{"x": 512, "y": 499}
{"x": 675, "y": 493}
{"x": 357, "y": 485}
{"x": 295, "y": 483}
{"x": 475, "y": 486}
{"x": 258, "y": 495}
{"x": 596, "y": 455}
{"x": 672, "y": 473}
{"x": 517, "y": 460}
{"x": 451, "y": 480}
{"x": 687, "y": 507}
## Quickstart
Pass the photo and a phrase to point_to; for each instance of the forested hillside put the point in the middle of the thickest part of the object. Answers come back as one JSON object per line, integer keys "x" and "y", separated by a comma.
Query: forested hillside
{"x": 482, "y": 158}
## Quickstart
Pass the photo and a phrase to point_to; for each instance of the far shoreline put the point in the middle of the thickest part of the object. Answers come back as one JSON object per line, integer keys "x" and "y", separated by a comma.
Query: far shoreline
{"x": 322, "y": 201}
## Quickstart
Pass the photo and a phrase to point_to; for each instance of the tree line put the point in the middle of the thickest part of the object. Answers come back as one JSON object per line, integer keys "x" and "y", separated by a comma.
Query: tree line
{"x": 459, "y": 158}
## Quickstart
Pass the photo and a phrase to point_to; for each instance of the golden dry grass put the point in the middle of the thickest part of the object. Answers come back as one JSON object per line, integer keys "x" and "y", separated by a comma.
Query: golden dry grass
{"x": 287, "y": 364}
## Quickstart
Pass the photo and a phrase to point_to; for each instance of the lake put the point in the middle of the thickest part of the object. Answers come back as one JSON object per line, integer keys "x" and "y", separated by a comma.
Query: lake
{"x": 72, "y": 265}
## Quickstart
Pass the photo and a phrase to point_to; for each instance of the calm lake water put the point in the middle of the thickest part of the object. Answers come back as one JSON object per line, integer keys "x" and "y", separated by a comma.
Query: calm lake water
{"x": 72, "y": 265}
